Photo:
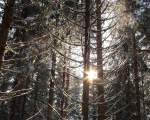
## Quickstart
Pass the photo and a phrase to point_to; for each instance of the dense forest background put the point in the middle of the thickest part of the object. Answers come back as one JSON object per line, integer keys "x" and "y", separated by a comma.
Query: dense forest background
{"x": 74, "y": 59}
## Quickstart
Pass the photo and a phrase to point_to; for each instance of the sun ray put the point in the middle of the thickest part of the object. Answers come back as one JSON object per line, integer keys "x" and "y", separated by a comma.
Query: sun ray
{"x": 91, "y": 75}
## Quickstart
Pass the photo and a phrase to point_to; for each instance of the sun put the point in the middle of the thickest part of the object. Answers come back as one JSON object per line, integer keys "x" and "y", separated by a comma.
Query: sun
{"x": 91, "y": 75}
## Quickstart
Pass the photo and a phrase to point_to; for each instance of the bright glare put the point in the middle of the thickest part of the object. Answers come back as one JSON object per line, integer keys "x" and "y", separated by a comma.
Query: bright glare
{"x": 92, "y": 75}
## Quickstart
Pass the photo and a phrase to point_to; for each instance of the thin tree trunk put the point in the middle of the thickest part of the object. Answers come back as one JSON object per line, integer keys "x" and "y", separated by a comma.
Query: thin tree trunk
{"x": 62, "y": 104}
{"x": 85, "y": 97}
{"x": 94, "y": 111}
{"x": 101, "y": 106}
{"x": 4, "y": 30}
{"x": 51, "y": 87}
{"x": 67, "y": 83}
{"x": 35, "y": 96}
{"x": 136, "y": 77}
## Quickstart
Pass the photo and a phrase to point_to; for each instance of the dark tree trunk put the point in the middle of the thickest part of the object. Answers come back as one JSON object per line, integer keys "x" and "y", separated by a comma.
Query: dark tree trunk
{"x": 4, "y": 30}
{"x": 17, "y": 105}
{"x": 102, "y": 105}
{"x": 85, "y": 97}
{"x": 22, "y": 80}
{"x": 136, "y": 77}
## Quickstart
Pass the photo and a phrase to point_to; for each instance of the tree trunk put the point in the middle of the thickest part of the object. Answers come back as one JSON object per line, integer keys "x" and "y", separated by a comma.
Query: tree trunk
{"x": 136, "y": 77}
{"x": 17, "y": 105}
{"x": 85, "y": 97}
{"x": 4, "y": 30}
{"x": 101, "y": 105}
{"x": 51, "y": 86}
{"x": 67, "y": 83}
{"x": 62, "y": 103}
{"x": 67, "y": 87}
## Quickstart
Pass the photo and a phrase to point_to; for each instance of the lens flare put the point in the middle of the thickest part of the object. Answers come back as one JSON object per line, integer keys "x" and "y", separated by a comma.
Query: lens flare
{"x": 91, "y": 75}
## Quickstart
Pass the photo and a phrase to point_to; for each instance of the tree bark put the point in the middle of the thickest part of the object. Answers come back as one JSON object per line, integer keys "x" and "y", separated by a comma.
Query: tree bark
{"x": 101, "y": 105}
{"x": 51, "y": 86}
{"x": 64, "y": 85}
{"x": 85, "y": 96}
{"x": 67, "y": 83}
{"x": 4, "y": 30}
{"x": 51, "y": 82}
{"x": 17, "y": 105}
{"x": 136, "y": 77}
